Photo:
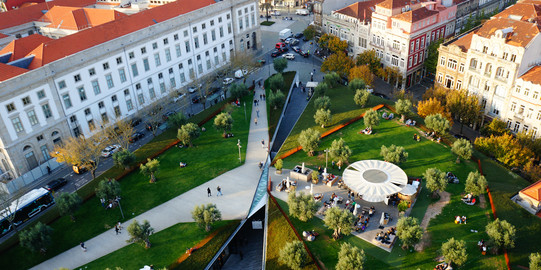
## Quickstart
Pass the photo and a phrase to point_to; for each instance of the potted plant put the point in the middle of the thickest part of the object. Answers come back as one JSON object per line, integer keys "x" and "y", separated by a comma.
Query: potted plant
{"x": 279, "y": 165}
{"x": 315, "y": 177}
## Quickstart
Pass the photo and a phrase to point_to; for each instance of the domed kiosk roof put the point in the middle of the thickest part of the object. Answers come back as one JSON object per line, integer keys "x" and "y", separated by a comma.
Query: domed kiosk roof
{"x": 375, "y": 179}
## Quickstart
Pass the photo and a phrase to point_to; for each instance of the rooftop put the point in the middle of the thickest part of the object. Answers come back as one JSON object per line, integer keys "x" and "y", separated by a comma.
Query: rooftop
{"x": 392, "y": 4}
{"x": 533, "y": 191}
{"x": 75, "y": 18}
{"x": 360, "y": 10}
{"x": 534, "y": 76}
{"x": 521, "y": 11}
{"x": 521, "y": 35}
{"x": 464, "y": 42}
{"x": 415, "y": 15}
{"x": 19, "y": 48}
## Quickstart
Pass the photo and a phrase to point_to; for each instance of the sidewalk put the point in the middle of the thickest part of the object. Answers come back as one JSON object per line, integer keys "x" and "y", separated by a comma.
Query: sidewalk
{"x": 238, "y": 186}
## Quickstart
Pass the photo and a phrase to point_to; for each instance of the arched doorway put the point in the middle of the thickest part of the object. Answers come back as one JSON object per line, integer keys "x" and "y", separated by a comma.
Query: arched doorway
{"x": 30, "y": 157}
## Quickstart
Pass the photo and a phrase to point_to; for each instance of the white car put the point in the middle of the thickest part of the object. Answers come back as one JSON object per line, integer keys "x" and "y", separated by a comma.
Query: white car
{"x": 192, "y": 89}
{"x": 289, "y": 56}
{"x": 288, "y": 40}
{"x": 240, "y": 73}
{"x": 179, "y": 97}
{"x": 110, "y": 150}
{"x": 228, "y": 81}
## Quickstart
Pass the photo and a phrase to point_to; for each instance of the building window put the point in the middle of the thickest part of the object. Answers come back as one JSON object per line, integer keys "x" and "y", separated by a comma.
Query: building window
{"x": 194, "y": 29}
{"x": 530, "y": 113}
{"x": 162, "y": 87}
{"x": 119, "y": 60}
{"x": 26, "y": 100}
{"x": 82, "y": 93}
{"x": 513, "y": 107}
{"x": 451, "y": 63}
{"x": 442, "y": 61}
{"x": 185, "y": 33}
{"x": 165, "y": 41}
{"x": 122, "y": 75}
{"x": 196, "y": 42}
{"x": 513, "y": 58}
{"x": 96, "y": 87}
{"x": 129, "y": 105}
{"x": 173, "y": 82}
{"x": 182, "y": 77}
{"x": 134, "y": 69}
{"x": 175, "y": 37}
{"x": 146, "y": 65}
{"x": 41, "y": 94}
{"x": 114, "y": 98}
{"x": 17, "y": 125}
{"x": 458, "y": 84}
{"x": 126, "y": 92}
{"x": 32, "y": 117}
{"x": 205, "y": 39}
{"x": 516, "y": 127}
{"x": 440, "y": 78}
{"x": 39, "y": 137}
{"x": 157, "y": 59}
{"x": 104, "y": 118}
{"x": 118, "y": 113}
{"x": 131, "y": 55}
{"x": 187, "y": 44}
{"x": 45, "y": 152}
{"x": 47, "y": 110}
{"x": 92, "y": 72}
{"x": 473, "y": 63}
{"x": 105, "y": 66}
{"x": 101, "y": 105}
{"x": 221, "y": 32}
{"x": 526, "y": 91}
{"x": 213, "y": 34}
{"x": 91, "y": 125}
{"x": 517, "y": 89}
{"x": 10, "y": 107}
{"x": 394, "y": 60}
{"x": 143, "y": 50}
{"x": 109, "y": 80}
{"x": 141, "y": 99}
{"x": 160, "y": 75}
{"x": 167, "y": 55}
{"x": 485, "y": 49}
{"x": 61, "y": 84}
{"x": 461, "y": 68}
{"x": 88, "y": 111}
{"x": 77, "y": 78}
{"x": 177, "y": 49}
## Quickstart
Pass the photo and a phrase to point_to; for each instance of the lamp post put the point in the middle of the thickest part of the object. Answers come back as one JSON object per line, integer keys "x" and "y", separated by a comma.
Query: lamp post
{"x": 238, "y": 144}
{"x": 326, "y": 155}
{"x": 244, "y": 112}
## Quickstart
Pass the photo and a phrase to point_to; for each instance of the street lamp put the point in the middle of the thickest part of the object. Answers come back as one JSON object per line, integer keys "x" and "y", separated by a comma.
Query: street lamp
{"x": 238, "y": 144}
{"x": 244, "y": 112}
{"x": 326, "y": 157}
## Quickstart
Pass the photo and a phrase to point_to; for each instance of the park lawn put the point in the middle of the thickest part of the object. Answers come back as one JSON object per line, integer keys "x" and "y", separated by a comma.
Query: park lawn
{"x": 273, "y": 115}
{"x": 211, "y": 156}
{"x": 343, "y": 108}
{"x": 279, "y": 234}
{"x": 267, "y": 23}
{"x": 167, "y": 246}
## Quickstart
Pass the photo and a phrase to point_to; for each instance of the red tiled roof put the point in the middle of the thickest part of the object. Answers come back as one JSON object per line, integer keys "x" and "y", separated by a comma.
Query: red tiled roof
{"x": 415, "y": 15}
{"x": 533, "y": 75}
{"x": 34, "y": 12}
{"x": 3, "y": 36}
{"x": 74, "y": 18}
{"x": 464, "y": 42}
{"x": 523, "y": 32}
{"x": 533, "y": 191}
{"x": 8, "y": 72}
{"x": 22, "y": 46}
{"x": 524, "y": 10}
{"x": 10, "y": 4}
{"x": 360, "y": 10}
{"x": 392, "y": 4}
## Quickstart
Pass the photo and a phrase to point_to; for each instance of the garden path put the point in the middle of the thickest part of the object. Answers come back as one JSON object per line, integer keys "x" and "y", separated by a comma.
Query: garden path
{"x": 431, "y": 212}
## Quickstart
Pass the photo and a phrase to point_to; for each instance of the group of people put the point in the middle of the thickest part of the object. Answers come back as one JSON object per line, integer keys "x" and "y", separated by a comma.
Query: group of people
{"x": 387, "y": 116}
{"x": 384, "y": 238}
{"x": 416, "y": 137}
{"x": 219, "y": 189}
{"x": 468, "y": 199}
{"x": 460, "y": 220}
{"x": 367, "y": 131}
{"x": 482, "y": 246}
{"x": 410, "y": 122}
{"x": 441, "y": 266}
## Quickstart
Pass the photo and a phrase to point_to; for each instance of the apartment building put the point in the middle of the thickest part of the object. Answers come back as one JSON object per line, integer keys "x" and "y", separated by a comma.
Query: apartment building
{"x": 501, "y": 61}
{"x": 51, "y": 89}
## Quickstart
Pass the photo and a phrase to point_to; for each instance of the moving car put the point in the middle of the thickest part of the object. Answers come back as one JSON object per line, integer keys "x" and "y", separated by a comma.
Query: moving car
{"x": 56, "y": 184}
{"x": 228, "y": 81}
{"x": 289, "y": 56}
{"x": 275, "y": 53}
{"x": 303, "y": 53}
{"x": 196, "y": 100}
{"x": 288, "y": 40}
{"x": 110, "y": 150}
{"x": 285, "y": 49}
{"x": 136, "y": 136}
{"x": 279, "y": 45}
{"x": 299, "y": 35}
{"x": 151, "y": 127}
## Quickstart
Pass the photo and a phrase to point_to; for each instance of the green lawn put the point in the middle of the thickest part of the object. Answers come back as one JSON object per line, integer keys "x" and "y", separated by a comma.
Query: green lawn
{"x": 279, "y": 233}
{"x": 167, "y": 246}
{"x": 211, "y": 156}
{"x": 343, "y": 108}
{"x": 267, "y": 23}
{"x": 273, "y": 115}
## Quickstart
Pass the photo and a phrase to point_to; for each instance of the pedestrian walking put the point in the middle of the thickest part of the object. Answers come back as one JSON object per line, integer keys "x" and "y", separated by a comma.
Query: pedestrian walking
{"x": 262, "y": 143}
{"x": 260, "y": 96}
{"x": 257, "y": 111}
{"x": 117, "y": 230}
{"x": 48, "y": 170}
{"x": 219, "y": 191}
{"x": 332, "y": 163}
{"x": 255, "y": 121}
{"x": 119, "y": 226}
{"x": 83, "y": 246}
{"x": 102, "y": 200}
{"x": 208, "y": 192}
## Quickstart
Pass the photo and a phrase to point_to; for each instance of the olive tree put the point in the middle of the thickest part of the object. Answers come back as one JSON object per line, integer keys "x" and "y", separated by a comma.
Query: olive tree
{"x": 177, "y": 120}
{"x": 150, "y": 169}
{"x": 302, "y": 206}
{"x": 350, "y": 257}
{"x": 435, "y": 180}
{"x": 276, "y": 82}
{"x": 339, "y": 220}
{"x": 371, "y": 118}
{"x": 124, "y": 158}
{"x": 293, "y": 255}
{"x": 463, "y": 149}
{"x": 36, "y": 238}
{"x": 409, "y": 231}
{"x": 394, "y": 154}
{"x": 437, "y": 123}
{"x": 276, "y": 99}
{"x": 224, "y": 122}
{"x": 108, "y": 189}
{"x": 339, "y": 152}
{"x": 68, "y": 204}
{"x": 502, "y": 233}
{"x": 321, "y": 89}
{"x": 140, "y": 233}
{"x": 332, "y": 79}
{"x": 403, "y": 107}
{"x": 323, "y": 117}
{"x": 476, "y": 184}
{"x": 238, "y": 90}
{"x": 535, "y": 261}
{"x": 356, "y": 84}
{"x": 309, "y": 140}
{"x": 206, "y": 215}
{"x": 280, "y": 64}
{"x": 187, "y": 133}
{"x": 323, "y": 102}
{"x": 454, "y": 251}
{"x": 361, "y": 97}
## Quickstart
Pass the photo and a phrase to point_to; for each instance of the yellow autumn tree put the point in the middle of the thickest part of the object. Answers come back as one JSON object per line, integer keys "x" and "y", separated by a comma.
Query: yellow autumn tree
{"x": 338, "y": 62}
{"x": 436, "y": 92}
{"x": 337, "y": 45}
{"x": 361, "y": 72}
{"x": 506, "y": 149}
{"x": 432, "y": 106}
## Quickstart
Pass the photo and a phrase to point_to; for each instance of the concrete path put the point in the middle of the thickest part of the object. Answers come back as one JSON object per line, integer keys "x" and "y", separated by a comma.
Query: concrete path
{"x": 237, "y": 185}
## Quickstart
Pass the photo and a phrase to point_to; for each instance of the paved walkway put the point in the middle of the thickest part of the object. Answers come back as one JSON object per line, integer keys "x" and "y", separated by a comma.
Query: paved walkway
{"x": 237, "y": 185}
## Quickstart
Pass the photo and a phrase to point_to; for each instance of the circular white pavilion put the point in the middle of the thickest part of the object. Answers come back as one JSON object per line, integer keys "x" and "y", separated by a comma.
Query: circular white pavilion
{"x": 375, "y": 179}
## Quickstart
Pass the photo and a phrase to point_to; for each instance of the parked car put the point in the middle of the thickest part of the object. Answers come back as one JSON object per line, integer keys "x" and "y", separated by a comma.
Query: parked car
{"x": 240, "y": 73}
{"x": 227, "y": 81}
{"x": 298, "y": 35}
{"x": 296, "y": 49}
{"x": 56, "y": 184}
{"x": 135, "y": 121}
{"x": 304, "y": 54}
{"x": 289, "y": 56}
{"x": 294, "y": 42}
{"x": 166, "y": 115}
{"x": 136, "y": 136}
{"x": 192, "y": 89}
{"x": 276, "y": 13}
{"x": 275, "y": 53}
{"x": 179, "y": 97}
{"x": 196, "y": 100}
{"x": 110, "y": 150}
{"x": 284, "y": 49}
{"x": 288, "y": 40}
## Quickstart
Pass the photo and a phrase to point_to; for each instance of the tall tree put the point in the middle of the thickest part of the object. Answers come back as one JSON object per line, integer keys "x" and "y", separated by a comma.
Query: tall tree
{"x": 506, "y": 149}
{"x": 187, "y": 133}
{"x": 437, "y": 92}
{"x": 279, "y": 64}
{"x": 321, "y": 89}
{"x": 177, "y": 120}
{"x": 266, "y": 6}
{"x": 371, "y": 118}
{"x": 403, "y": 107}
{"x": 224, "y": 122}
{"x": 463, "y": 149}
{"x": 302, "y": 206}
{"x": 535, "y": 261}
{"x": 361, "y": 97}
{"x": 335, "y": 44}
{"x": 309, "y": 32}
{"x": 409, "y": 231}
{"x": 361, "y": 72}
{"x": 276, "y": 99}
{"x": 276, "y": 82}
{"x": 68, "y": 204}
{"x": 356, "y": 84}
{"x": 323, "y": 102}
{"x": 437, "y": 123}
{"x": 323, "y": 117}
{"x": 238, "y": 90}
{"x": 431, "y": 60}
{"x": 433, "y": 106}
{"x": 140, "y": 233}
{"x": 124, "y": 158}
{"x": 332, "y": 79}
{"x": 119, "y": 133}
{"x": 476, "y": 184}
{"x": 394, "y": 154}
{"x": 435, "y": 180}
{"x": 293, "y": 255}
{"x": 502, "y": 233}
{"x": 206, "y": 215}
{"x": 464, "y": 107}
{"x": 339, "y": 220}
{"x": 82, "y": 152}
{"x": 350, "y": 257}
{"x": 338, "y": 62}
{"x": 36, "y": 238}
{"x": 153, "y": 113}
{"x": 370, "y": 58}
{"x": 339, "y": 152}
{"x": 496, "y": 127}
{"x": 150, "y": 169}
{"x": 309, "y": 140}
{"x": 454, "y": 251}
{"x": 108, "y": 189}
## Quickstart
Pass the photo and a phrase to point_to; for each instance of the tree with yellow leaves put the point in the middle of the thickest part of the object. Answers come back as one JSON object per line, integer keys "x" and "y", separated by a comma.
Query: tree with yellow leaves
{"x": 338, "y": 62}
{"x": 361, "y": 72}
{"x": 433, "y": 106}
{"x": 464, "y": 107}
{"x": 438, "y": 93}
{"x": 506, "y": 149}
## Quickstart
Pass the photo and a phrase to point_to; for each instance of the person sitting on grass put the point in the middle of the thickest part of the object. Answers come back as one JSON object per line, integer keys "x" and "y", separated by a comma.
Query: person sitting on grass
{"x": 182, "y": 164}
{"x": 384, "y": 115}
